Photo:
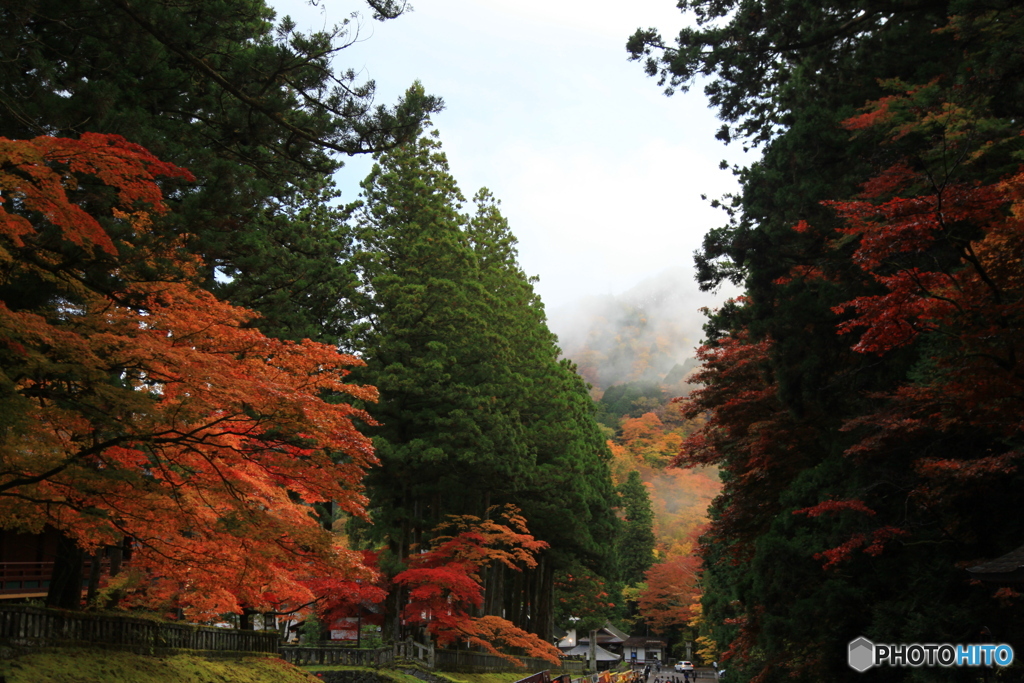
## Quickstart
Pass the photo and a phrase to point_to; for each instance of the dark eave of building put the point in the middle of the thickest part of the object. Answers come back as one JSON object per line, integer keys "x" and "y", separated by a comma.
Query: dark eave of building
{"x": 1006, "y": 570}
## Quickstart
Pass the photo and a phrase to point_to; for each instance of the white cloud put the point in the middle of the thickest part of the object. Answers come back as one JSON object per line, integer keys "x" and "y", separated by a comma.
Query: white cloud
{"x": 599, "y": 174}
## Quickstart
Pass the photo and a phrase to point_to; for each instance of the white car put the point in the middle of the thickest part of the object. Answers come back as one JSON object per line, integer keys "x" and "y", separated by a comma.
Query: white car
{"x": 684, "y": 666}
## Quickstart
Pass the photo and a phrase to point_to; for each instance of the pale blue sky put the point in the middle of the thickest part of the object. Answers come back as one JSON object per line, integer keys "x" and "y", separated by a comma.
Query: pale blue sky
{"x": 599, "y": 174}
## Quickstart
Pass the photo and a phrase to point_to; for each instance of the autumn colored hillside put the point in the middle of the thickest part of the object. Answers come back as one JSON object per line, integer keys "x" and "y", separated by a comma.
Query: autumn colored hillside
{"x": 634, "y": 349}
{"x": 679, "y": 497}
{"x": 666, "y": 600}
{"x": 637, "y": 351}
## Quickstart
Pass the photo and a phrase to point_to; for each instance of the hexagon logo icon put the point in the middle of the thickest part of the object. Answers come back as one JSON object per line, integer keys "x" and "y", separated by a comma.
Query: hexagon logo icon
{"x": 862, "y": 654}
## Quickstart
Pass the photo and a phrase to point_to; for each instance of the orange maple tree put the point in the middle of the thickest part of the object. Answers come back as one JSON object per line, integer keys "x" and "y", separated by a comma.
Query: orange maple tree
{"x": 138, "y": 406}
{"x": 444, "y": 583}
{"x": 671, "y": 596}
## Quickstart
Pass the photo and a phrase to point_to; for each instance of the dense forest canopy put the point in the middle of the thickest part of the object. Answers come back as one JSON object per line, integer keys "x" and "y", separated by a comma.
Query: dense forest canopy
{"x": 247, "y": 397}
{"x": 859, "y": 394}
{"x": 162, "y": 158}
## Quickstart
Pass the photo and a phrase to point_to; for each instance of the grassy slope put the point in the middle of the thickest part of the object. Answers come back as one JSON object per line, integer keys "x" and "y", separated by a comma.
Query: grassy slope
{"x": 71, "y": 665}
{"x": 94, "y": 666}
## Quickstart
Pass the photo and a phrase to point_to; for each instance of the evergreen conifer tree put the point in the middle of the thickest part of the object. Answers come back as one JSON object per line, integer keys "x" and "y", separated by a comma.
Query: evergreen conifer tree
{"x": 475, "y": 408}
{"x": 636, "y": 542}
{"x": 254, "y": 109}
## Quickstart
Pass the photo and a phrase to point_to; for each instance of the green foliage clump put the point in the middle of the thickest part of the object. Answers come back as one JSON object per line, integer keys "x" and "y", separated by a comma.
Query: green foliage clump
{"x": 632, "y": 399}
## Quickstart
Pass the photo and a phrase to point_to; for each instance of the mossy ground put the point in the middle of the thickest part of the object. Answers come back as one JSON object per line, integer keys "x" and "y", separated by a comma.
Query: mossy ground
{"x": 486, "y": 678}
{"x": 396, "y": 676}
{"x": 72, "y": 665}
{"x": 98, "y": 666}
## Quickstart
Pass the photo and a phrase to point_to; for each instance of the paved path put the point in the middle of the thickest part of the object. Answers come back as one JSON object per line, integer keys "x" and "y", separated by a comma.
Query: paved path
{"x": 677, "y": 677}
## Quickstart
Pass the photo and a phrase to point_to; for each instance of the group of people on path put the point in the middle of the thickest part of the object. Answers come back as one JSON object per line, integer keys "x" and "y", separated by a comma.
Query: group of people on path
{"x": 669, "y": 676}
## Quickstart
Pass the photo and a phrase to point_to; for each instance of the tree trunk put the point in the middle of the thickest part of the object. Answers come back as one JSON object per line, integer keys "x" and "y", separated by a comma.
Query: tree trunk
{"x": 515, "y": 613}
{"x": 66, "y": 582}
{"x": 95, "y": 564}
{"x": 117, "y": 554}
{"x": 545, "y": 600}
{"x": 527, "y": 616}
{"x": 396, "y": 623}
{"x": 245, "y": 621}
{"x": 495, "y": 596}
{"x": 414, "y": 540}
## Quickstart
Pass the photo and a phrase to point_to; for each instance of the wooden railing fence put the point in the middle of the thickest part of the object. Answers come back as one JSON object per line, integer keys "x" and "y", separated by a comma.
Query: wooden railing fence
{"x": 38, "y": 627}
{"x": 336, "y": 655}
{"x": 32, "y": 627}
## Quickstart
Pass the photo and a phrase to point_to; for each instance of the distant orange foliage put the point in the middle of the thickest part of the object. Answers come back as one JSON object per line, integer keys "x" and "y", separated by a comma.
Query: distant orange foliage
{"x": 672, "y": 592}
{"x": 679, "y": 497}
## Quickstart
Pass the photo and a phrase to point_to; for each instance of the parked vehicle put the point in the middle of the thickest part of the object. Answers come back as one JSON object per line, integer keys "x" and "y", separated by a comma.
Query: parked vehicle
{"x": 684, "y": 666}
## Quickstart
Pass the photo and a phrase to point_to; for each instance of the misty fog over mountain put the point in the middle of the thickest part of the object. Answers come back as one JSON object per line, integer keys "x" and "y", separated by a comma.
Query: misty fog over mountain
{"x": 638, "y": 335}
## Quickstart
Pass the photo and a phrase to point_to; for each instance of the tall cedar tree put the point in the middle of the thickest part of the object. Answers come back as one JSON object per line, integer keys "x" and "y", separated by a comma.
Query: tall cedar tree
{"x": 138, "y": 410}
{"x": 475, "y": 408}
{"x": 857, "y": 392}
{"x": 635, "y": 547}
{"x": 430, "y": 348}
{"x": 567, "y": 495}
{"x": 255, "y": 110}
